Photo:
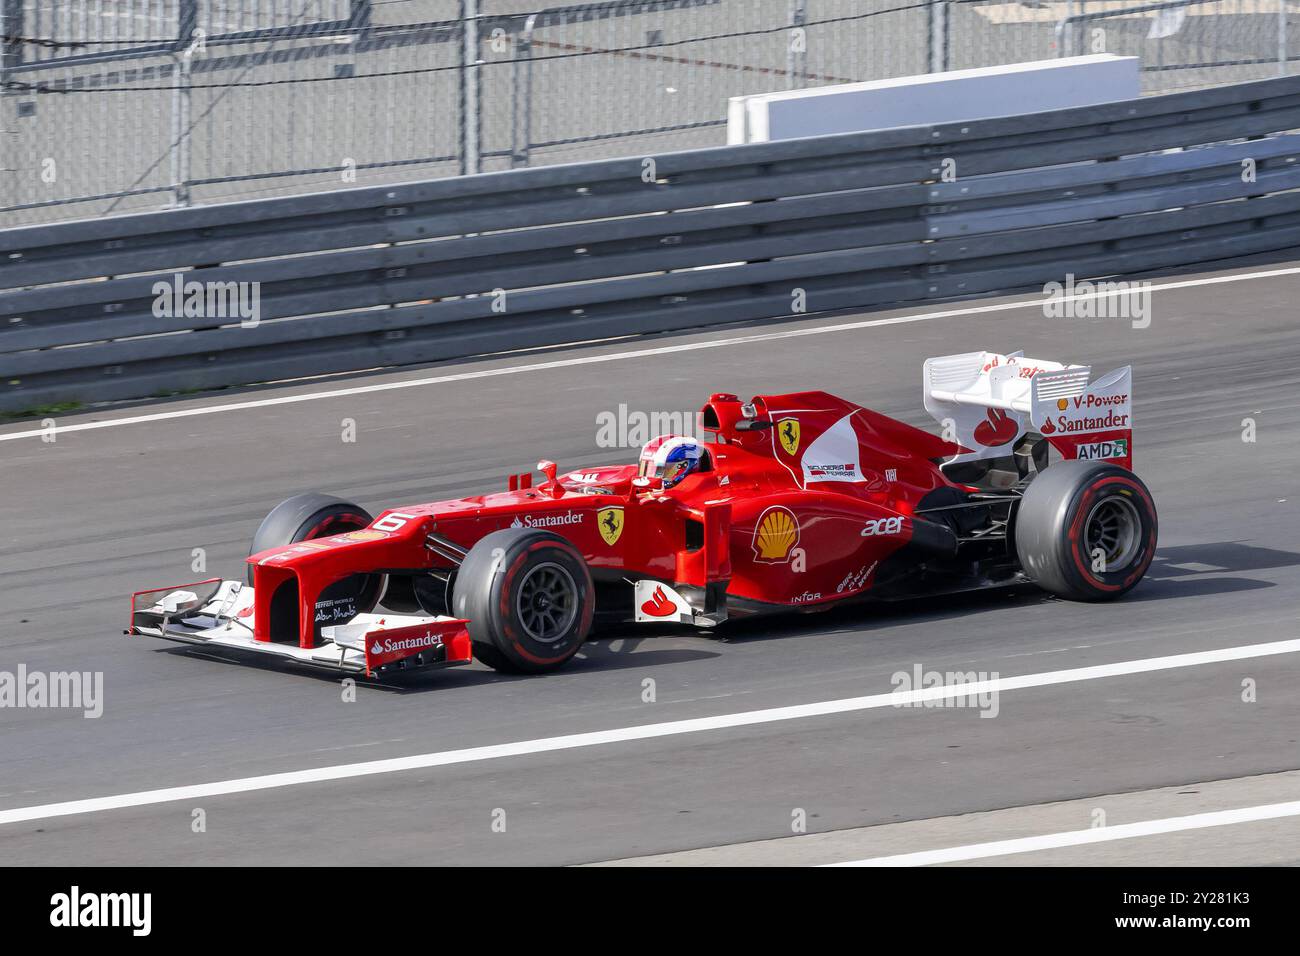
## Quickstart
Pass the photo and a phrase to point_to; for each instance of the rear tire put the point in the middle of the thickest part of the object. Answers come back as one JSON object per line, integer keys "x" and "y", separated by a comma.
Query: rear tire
{"x": 528, "y": 597}
{"x": 1086, "y": 530}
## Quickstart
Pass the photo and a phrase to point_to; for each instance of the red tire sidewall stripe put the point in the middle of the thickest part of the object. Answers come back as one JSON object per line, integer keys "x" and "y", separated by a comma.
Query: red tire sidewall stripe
{"x": 1075, "y": 535}
{"x": 504, "y": 605}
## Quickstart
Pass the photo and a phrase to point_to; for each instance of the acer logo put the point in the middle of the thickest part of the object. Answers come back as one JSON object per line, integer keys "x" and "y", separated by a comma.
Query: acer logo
{"x": 882, "y": 526}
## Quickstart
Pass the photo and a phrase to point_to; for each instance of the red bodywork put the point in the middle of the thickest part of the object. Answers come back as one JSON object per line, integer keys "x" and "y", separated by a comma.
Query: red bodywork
{"x": 804, "y": 495}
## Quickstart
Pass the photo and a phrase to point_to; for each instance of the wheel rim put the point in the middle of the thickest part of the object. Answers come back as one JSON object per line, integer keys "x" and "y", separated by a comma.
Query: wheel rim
{"x": 1114, "y": 528}
{"x": 547, "y": 602}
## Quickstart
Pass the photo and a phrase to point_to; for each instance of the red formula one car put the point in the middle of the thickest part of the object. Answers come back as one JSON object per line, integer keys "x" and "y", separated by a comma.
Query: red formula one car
{"x": 795, "y": 502}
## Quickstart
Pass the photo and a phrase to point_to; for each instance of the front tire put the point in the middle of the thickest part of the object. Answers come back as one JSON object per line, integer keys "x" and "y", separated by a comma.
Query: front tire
{"x": 528, "y": 597}
{"x": 1086, "y": 530}
{"x": 304, "y": 517}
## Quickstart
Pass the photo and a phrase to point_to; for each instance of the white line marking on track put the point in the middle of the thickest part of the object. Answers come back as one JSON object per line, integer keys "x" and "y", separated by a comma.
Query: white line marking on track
{"x": 622, "y": 356}
{"x": 1052, "y": 841}
{"x": 643, "y": 732}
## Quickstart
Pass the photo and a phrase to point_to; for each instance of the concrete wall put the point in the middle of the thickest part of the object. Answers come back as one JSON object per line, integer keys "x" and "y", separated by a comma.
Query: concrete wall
{"x": 933, "y": 98}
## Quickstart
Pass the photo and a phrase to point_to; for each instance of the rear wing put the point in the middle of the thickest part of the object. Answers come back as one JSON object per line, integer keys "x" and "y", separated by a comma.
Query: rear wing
{"x": 986, "y": 402}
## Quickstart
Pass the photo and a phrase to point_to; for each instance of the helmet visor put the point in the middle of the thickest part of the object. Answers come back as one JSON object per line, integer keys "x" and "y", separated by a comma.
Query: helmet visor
{"x": 669, "y": 472}
{"x": 675, "y": 471}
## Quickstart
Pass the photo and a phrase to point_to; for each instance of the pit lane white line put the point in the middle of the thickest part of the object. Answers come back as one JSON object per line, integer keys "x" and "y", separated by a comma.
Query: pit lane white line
{"x": 622, "y": 356}
{"x": 1051, "y": 841}
{"x": 643, "y": 732}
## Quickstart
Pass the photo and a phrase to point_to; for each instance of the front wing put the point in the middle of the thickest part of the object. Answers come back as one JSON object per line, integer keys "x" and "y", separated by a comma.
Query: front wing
{"x": 220, "y": 614}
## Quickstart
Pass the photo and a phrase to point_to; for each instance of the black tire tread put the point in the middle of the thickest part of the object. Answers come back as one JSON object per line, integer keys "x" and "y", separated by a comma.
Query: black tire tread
{"x": 1041, "y": 522}
{"x": 473, "y": 597}
{"x": 293, "y": 517}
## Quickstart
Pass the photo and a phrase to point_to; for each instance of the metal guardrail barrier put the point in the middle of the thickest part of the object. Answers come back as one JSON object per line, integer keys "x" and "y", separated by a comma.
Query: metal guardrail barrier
{"x": 385, "y": 276}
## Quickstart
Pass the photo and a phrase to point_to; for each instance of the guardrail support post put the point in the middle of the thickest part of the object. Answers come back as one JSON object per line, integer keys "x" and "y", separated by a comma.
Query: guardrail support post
{"x": 938, "y": 36}
{"x": 521, "y": 126}
{"x": 1065, "y": 42}
{"x": 796, "y": 47}
{"x": 1281, "y": 38}
{"x": 180, "y": 145}
{"x": 469, "y": 89}
{"x": 11, "y": 28}
{"x": 187, "y": 21}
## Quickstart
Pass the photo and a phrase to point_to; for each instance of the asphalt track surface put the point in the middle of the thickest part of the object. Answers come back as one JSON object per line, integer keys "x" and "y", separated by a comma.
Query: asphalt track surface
{"x": 101, "y": 512}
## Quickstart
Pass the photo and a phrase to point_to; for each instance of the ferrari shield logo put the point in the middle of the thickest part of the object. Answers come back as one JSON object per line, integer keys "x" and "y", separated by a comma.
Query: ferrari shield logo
{"x": 788, "y": 431}
{"x": 610, "y": 523}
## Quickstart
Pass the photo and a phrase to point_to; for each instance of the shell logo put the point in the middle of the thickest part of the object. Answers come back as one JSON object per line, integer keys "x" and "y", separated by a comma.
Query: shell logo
{"x": 1062, "y": 404}
{"x": 364, "y": 535}
{"x": 775, "y": 534}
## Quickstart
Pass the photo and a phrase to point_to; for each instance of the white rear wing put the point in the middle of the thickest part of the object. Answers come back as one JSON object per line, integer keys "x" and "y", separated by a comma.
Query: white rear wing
{"x": 987, "y": 401}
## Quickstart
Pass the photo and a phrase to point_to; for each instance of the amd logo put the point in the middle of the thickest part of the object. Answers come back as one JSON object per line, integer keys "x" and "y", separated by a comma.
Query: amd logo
{"x": 1094, "y": 451}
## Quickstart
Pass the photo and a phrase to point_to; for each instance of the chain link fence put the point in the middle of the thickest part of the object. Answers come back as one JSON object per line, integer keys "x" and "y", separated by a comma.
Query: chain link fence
{"x": 111, "y": 106}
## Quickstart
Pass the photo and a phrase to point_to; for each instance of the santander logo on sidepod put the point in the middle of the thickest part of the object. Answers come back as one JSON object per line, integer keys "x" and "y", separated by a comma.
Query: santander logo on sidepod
{"x": 659, "y": 605}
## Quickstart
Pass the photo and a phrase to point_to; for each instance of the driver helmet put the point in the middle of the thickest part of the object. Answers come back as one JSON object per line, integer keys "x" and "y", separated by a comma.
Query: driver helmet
{"x": 670, "y": 458}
